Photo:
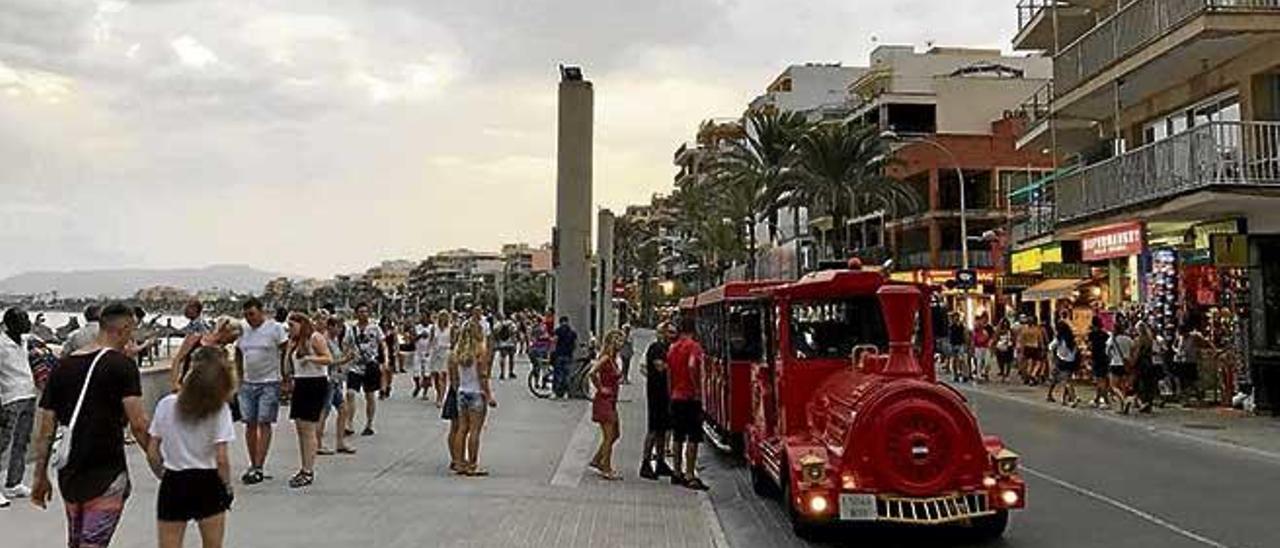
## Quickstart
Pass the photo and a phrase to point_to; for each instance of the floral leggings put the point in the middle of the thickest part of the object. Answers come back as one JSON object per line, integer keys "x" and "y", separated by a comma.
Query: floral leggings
{"x": 92, "y": 523}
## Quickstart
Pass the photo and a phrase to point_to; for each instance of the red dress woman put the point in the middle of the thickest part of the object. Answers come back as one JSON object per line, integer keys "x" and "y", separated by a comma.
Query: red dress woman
{"x": 606, "y": 378}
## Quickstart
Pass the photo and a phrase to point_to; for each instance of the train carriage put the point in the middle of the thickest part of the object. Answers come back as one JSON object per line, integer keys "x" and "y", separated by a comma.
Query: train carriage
{"x": 846, "y": 419}
{"x": 729, "y": 320}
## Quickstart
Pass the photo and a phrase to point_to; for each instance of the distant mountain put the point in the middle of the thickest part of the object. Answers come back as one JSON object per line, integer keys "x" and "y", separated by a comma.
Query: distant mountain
{"x": 127, "y": 281}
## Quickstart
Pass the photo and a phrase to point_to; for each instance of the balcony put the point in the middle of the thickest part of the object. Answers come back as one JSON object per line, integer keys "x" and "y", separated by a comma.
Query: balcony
{"x": 946, "y": 260}
{"x": 1142, "y": 23}
{"x": 1036, "y": 24}
{"x": 1038, "y": 223}
{"x": 1232, "y": 155}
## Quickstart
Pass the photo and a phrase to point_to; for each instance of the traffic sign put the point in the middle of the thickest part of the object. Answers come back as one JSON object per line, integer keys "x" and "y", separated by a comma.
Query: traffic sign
{"x": 966, "y": 279}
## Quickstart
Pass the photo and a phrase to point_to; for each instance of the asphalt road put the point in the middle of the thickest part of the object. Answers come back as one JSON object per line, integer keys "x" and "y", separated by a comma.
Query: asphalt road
{"x": 1091, "y": 482}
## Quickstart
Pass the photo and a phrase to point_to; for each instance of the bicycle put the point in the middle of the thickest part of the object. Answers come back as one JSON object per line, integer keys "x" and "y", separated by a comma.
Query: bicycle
{"x": 542, "y": 378}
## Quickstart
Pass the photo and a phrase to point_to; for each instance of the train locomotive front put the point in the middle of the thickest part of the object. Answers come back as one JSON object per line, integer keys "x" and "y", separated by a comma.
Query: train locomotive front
{"x": 878, "y": 439}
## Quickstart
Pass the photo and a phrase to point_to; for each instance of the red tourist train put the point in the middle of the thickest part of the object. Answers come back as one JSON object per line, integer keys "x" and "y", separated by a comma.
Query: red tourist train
{"x": 826, "y": 386}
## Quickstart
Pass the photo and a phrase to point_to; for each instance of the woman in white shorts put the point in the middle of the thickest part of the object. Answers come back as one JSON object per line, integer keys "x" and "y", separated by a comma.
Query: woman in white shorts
{"x": 440, "y": 346}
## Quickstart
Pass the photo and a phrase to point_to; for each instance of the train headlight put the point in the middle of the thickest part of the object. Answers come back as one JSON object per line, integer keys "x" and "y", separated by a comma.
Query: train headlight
{"x": 818, "y": 504}
{"x": 1006, "y": 463}
{"x": 1009, "y": 498}
{"x": 813, "y": 469}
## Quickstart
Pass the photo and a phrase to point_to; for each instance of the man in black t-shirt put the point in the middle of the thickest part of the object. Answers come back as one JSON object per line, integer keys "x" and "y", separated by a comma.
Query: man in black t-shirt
{"x": 659, "y": 399}
{"x": 95, "y": 479}
{"x": 562, "y": 357}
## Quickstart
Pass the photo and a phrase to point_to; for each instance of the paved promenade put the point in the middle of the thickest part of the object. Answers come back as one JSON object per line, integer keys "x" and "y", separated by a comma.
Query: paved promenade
{"x": 398, "y": 492}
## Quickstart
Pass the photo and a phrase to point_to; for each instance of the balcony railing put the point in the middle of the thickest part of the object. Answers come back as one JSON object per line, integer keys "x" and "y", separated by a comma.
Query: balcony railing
{"x": 1135, "y": 25}
{"x": 1029, "y": 9}
{"x": 1232, "y": 154}
{"x": 1038, "y": 222}
{"x": 1037, "y": 107}
{"x": 946, "y": 259}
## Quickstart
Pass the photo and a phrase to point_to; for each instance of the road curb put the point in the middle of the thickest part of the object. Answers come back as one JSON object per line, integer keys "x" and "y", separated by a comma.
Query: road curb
{"x": 1170, "y": 431}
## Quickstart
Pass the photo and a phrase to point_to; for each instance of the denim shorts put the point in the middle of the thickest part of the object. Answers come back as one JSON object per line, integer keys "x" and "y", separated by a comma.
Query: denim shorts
{"x": 260, "y": 402}
{"x": 335, "y": 395}
{"x": 470, "y": 401}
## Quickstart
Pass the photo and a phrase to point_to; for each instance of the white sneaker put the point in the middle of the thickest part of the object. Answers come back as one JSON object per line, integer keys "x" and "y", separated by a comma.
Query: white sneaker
{"x": 4, "y": 502}
{"x": 18, "y": 491}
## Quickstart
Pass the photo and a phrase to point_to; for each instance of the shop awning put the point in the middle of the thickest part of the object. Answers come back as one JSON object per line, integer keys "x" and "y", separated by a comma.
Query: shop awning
{"x": 1051, "y": 290}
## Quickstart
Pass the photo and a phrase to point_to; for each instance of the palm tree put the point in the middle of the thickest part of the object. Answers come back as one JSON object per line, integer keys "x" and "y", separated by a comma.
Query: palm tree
{"x": 754, "y": 174}
{"x": 843, "y": 163}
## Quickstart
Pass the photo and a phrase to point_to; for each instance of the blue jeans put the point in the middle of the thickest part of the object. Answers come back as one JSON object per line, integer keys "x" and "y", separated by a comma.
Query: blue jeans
{"x": 560, "y": 374}
{"x": 260, "y": 402}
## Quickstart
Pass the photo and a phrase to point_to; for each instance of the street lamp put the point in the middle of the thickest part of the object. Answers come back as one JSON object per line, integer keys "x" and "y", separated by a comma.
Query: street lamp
{"x": 890, "y": 135}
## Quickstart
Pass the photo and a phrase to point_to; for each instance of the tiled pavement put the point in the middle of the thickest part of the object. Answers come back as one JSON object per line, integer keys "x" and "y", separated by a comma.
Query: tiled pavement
{"x": 397, "y": 490}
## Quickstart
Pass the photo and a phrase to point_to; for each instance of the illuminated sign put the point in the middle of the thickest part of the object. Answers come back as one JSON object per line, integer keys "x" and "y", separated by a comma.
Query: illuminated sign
{"x": 1027, "y": 260}
{"x": 1119, "y": 241}
{"x": 1066, "y": 271}
{"x": 1033, "y": 260}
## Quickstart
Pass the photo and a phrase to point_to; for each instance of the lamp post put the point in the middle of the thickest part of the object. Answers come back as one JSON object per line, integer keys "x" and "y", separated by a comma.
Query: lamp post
{"x": 891, "y": 135}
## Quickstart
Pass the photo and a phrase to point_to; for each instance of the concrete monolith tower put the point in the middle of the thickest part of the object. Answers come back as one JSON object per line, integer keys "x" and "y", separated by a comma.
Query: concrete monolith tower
{"x": 605, "y": 319}
{"x": 573, "y": 200}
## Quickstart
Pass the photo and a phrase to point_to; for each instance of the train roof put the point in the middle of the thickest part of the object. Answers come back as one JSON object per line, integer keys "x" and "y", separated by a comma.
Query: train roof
{"x": 831, "y": 283}
{"x": 736, "y": 291}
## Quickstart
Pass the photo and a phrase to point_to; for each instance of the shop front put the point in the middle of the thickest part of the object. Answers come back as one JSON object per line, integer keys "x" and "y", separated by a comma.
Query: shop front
{"x": 1117, "y": 250}
{"x": 970, "y": 303}
{"x": 1199, "y": 279}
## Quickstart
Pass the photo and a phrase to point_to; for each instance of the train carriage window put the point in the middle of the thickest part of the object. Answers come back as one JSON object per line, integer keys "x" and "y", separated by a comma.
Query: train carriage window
{"x": 746, "y": 342}
{"x": 830, "y": 329}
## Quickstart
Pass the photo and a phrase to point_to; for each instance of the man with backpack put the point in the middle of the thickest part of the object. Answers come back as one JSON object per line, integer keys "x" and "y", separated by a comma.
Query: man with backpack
{"x": 504, "y": 337}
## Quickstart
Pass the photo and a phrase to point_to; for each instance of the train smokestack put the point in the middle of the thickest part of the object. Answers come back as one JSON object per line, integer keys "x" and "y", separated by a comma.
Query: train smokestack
{"x": 899, "y": 304}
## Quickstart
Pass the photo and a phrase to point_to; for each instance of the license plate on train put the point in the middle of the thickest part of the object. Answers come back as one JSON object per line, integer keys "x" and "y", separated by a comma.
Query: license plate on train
{"x": 855, "y": 507}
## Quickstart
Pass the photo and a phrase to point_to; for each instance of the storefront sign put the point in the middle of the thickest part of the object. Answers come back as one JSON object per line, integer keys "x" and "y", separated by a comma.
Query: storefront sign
{"x": 1032, "y": 260}
{"x": 1204, "y": 231}
{"x": 1230, "y": 250}
{"x": 1066, "y": 271}
{"x": 1120, "y": 241}
{"x": 940, "y": 277}
{"x": 1027, "y": 260}
{"x": 1015, "y": 282}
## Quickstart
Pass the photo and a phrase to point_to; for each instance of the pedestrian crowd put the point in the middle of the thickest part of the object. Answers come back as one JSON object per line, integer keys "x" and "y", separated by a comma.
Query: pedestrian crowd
{"x": 1130, "y": 365}
{"x": 237, "y": 370}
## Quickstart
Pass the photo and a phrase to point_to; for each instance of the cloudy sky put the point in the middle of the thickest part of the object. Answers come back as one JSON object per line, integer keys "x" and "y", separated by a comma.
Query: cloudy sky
{"x": 320, "y": 136}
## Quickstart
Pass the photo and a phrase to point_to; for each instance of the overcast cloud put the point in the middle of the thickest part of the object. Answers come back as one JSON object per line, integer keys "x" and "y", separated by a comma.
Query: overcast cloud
{"x": 320, "y": 136}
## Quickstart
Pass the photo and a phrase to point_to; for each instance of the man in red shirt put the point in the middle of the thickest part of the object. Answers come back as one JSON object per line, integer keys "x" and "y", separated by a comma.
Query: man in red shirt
{"x": 684, "y": 363}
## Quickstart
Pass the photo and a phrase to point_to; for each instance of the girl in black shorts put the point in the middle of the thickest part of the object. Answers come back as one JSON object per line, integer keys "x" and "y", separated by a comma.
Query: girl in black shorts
{"x": 309, "y": 354}
{"x": 190, "y": 432}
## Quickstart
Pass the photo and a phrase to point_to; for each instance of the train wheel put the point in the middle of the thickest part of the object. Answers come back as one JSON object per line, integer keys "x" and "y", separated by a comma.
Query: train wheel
{"x": 761, "y": 483}
{"x": 988, "y": 528}
{"x": 804, "y": 528}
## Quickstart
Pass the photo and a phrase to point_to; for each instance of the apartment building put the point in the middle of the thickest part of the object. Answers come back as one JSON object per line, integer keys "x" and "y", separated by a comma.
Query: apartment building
{"x": 952, "y": 114}
{"x": 1163, "y": 116}
{"x": 817, "y": 90}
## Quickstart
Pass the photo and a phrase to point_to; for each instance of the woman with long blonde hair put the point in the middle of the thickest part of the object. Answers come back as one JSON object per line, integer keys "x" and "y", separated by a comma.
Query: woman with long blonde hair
{"x": 606, "y": 378}
{"x": 469, "y": 374}
{"x": 310, "y": 358}
{"x": 440, "y": 342}
{"x": 190, "y": 432}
